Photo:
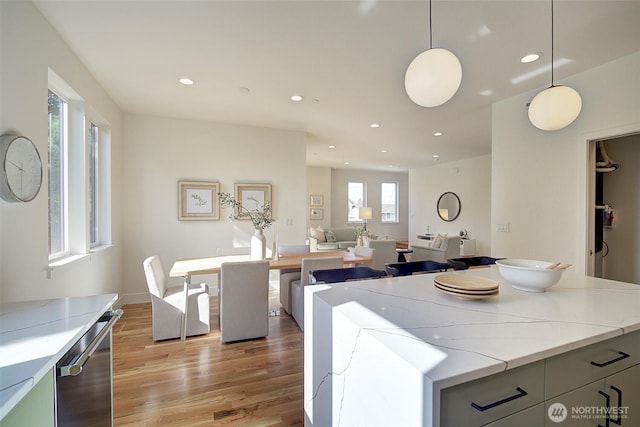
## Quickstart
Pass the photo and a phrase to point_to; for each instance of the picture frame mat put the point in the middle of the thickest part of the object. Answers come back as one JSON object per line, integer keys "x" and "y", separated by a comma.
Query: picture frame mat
{"x": 198, "y": 200}
{"x": 252, "y": 196}
{"x": 316, "y": 200}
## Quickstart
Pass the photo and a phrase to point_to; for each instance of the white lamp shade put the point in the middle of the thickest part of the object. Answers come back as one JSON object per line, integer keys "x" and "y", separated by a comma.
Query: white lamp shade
{"x": 433, "y": 77}
{"x": 555, "y": 107}
{"x": 365, "y": 213}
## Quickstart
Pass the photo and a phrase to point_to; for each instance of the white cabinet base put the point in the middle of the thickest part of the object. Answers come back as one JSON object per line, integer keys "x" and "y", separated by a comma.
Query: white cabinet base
{"x": 467, "y": 247}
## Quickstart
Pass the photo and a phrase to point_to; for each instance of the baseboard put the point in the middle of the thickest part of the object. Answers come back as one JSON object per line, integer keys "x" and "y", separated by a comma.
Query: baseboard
{"x": 133, "y": 299}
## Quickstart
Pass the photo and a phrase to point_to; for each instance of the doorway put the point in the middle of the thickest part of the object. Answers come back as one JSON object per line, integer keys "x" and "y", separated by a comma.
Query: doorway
{"x": 614, "y": 214}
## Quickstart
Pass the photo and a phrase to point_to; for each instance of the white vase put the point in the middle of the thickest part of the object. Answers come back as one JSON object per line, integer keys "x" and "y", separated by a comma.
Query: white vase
{"x": 258, "y": 245}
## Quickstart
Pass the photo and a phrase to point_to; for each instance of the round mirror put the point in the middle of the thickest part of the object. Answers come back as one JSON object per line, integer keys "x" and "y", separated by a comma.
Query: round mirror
{"x": 449, "y": 206}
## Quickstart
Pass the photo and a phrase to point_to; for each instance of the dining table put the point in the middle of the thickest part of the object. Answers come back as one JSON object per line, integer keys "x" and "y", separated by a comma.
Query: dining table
{"x": 188, "y": 267}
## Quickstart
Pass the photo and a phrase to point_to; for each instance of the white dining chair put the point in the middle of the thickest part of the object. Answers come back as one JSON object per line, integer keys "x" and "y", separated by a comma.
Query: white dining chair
{"x": 289, "y": 275}
{"x": 244, "y": 300}
{"x": 167, "y": 304}
{"x": 362, "y": 251}
{"x": 297, "y": 286}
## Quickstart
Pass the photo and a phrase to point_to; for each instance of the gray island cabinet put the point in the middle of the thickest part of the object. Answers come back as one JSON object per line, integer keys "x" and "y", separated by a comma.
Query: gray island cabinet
{"x": 397, "y": 352}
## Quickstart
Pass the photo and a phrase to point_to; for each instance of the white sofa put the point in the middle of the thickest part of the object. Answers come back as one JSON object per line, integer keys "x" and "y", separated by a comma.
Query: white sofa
{"x": 322, "y": 240}
{"x": 450, "y": 248}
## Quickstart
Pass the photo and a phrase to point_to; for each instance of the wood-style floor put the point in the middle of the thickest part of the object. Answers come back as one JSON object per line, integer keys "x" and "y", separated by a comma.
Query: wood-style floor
{"x": 203, "y": 382}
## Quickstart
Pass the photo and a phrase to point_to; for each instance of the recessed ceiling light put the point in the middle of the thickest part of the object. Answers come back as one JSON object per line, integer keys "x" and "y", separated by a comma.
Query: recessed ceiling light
{"x": 390, "y": 166}
{"x": 296, "y": 98}
{"x": 383, "y": 151}
{"x": 186, "y": 81}
{"x": 436, "y": 157}
{"x": 486, "y": 92}
{"x": 374, "y": 125}
{"x": 530, "y": 57}
{"x": 346, "y": 163}
{"x": 438, "y": 134}
{"x": 332, "y": 146}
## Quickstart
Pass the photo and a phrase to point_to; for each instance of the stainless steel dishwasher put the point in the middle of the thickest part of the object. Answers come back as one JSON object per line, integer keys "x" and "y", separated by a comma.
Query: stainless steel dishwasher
{"x": 84, "y": 392}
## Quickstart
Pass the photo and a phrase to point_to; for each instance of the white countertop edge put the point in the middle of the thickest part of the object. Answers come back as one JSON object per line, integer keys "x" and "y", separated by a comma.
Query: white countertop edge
{"x": 442, "y": 383}
{"x": 396, "y": 339}
{"x": 11, "y": 394}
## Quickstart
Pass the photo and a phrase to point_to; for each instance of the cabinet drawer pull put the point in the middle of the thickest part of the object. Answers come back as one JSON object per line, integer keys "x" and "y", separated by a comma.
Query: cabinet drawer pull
{"x": 609, "y": 362}
{"x": 521, "y": 393}
{"x": 606, "y": 405}
{"x": 619, "y": 420}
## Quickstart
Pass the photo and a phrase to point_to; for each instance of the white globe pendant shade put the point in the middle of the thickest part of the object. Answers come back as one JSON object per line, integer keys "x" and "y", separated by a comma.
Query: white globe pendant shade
{"x": 433, "y": 77}
{"x": 555, "y": 107}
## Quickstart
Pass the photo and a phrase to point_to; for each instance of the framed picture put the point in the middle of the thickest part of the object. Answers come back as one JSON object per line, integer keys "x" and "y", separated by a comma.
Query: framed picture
{"x": 316, "y": 213}
{"x": 198, "y": 201}
{"x": 316, "y": 201}
{"x": 252, "y": 197}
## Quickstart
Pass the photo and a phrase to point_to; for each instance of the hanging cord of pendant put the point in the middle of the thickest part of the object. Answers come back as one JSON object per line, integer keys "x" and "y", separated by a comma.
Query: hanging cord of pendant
{"x": 430, "y": 28}
{"x": 552, "y": 39}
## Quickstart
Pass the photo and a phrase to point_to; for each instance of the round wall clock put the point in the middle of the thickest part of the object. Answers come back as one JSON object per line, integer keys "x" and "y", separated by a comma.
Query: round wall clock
{"x": 21, "y": 174}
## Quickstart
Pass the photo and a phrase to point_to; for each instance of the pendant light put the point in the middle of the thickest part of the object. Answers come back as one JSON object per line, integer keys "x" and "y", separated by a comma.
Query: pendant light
{"x": 434, "y": 76}
{"x": 557, "y": 106}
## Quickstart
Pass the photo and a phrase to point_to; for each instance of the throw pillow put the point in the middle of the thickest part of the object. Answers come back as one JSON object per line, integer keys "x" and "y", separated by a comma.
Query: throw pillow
{"x": 321, "y": 235}
{"x": 330, "y": 236}
{"x": 318, "y": 234}
{"x": 437, "y": 242}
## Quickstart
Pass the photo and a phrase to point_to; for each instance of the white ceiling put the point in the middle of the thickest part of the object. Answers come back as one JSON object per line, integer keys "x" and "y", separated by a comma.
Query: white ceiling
{"x": 347, "y": 58}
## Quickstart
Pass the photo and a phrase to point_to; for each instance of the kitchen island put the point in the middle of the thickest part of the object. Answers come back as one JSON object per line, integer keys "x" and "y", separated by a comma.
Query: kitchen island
{"x": 34, "y": 335}
{"x": 397, "y": 351}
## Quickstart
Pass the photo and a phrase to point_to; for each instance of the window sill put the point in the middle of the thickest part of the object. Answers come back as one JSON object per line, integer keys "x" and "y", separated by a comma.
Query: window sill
{"x": 99, "y": 248}
{"x": 73, "y": 259}
{"x": 64, "y": 262}
{"x": 67, "y": 260}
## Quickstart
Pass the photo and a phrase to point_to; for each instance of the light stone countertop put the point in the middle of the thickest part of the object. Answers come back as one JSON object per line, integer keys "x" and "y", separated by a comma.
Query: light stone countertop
{"x": 452, "y": 341}
{"x": 34, "y": 335}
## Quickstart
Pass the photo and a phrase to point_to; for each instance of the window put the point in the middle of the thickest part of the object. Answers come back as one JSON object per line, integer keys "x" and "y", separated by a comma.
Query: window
{"x": 93, "y": 184}
{"x": 58, "y": 242}
{"x": 79, "y": 176}
{"x": 389, "y": 202}
{"x": 355, "y": 200}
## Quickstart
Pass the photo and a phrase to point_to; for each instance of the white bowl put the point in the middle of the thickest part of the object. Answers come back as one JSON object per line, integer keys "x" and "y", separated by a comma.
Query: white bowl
{"x": 528, "y": 274}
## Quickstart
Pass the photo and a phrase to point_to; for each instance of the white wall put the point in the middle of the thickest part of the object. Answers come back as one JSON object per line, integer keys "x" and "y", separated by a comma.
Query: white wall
{"x": 29, "y": 48}
{"x": 539, "y": 179}
{"x": 160, "y": 152}
{"x": 319, "y": 184}
{"x": 471, "y": 180}
{"x": 373, "y": 180}
{"x": 622, "y": 192}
